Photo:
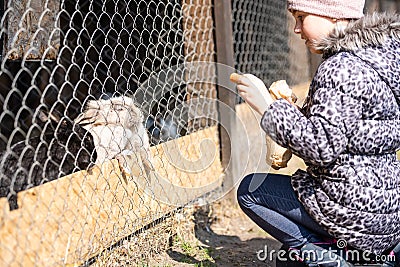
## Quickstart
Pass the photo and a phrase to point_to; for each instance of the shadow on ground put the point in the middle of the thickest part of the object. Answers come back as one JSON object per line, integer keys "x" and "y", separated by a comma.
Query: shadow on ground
{"x": 229, "y": 238}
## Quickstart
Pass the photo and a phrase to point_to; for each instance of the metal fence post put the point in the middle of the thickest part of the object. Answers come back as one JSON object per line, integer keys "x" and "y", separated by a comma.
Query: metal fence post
{"x": 227, "y": 128}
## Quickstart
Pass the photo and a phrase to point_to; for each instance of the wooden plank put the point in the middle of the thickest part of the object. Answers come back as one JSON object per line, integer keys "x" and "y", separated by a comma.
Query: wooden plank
{"x": 371, "y": 6}
{"x": 226, "y": 93}
{"x": 188, "y": 168}
{"x": 38, "y": 37}
{"x": 259, "y": 149}
{"x": 299, "y": 65}
{"x": 71, "y": 219}
{"x": 389, "y": 5}
{"x": 2, "y": 7}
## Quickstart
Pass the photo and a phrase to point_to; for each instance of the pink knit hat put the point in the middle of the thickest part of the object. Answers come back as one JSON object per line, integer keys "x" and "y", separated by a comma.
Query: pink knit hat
{"x": 338, "y": 9}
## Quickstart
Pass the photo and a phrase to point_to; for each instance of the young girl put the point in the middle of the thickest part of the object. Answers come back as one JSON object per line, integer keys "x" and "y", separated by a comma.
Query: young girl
{"x": 347, "y": 133}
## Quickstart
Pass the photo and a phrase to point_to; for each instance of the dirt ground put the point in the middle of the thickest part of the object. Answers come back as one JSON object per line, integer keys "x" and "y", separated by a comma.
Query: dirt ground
{"x": 218, "y": 234}
{"x": 228, "y": 236}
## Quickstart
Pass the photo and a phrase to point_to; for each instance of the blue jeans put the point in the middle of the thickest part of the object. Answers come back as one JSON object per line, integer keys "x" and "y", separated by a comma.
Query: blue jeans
{"x": 274, "y": 206}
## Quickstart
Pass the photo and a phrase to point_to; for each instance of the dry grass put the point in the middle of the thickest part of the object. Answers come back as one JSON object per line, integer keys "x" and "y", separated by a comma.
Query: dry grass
{"x": 217, "y": 234}
{"x": 151, "y": 247}
{"x": 143, "y": 247}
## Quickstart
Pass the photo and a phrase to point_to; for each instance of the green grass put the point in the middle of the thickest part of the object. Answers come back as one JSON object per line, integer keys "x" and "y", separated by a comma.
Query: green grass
{"x": 195, "y": 254}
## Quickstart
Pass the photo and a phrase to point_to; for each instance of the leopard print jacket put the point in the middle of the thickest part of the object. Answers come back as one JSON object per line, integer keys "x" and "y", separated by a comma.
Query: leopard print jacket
{"x": 348, "y": 132}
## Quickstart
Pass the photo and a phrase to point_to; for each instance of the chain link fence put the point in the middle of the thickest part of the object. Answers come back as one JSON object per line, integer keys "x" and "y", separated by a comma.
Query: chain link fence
{"x": 95, "y": 102}
{"x": 261, "y": 38}
{"x": 265, "y": 45}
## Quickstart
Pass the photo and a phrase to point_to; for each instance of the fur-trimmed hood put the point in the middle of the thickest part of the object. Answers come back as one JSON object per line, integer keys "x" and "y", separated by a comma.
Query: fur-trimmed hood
{"x": 371, "y": 30}
{"x": 374, "y": 39}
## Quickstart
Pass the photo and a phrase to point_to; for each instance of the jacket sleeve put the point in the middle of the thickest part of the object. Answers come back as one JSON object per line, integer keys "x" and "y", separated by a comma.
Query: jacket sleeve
{"x": 320, "y": 137}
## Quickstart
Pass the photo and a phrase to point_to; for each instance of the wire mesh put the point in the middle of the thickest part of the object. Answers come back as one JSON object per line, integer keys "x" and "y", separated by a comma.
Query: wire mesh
{"x": 86, "y": 121}
{"x": 261, "y": 39}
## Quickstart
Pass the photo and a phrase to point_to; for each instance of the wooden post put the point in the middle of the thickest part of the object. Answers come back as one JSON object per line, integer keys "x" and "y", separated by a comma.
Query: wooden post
{"x": 371, "y": 6}
{"x": 2, "y": 7}
{"x": 382, "y": 5}
{"x": 226, "y": 96}
{"x": 388, "y": 5}
{"x": 314, "y": 61}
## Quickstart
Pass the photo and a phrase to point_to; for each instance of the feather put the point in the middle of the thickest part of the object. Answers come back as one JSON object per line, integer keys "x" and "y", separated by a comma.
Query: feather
{"x": 118, "y": 130}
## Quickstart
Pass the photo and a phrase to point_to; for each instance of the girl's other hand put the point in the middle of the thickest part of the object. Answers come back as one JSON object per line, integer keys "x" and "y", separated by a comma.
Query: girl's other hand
{"x": 253, "y": 91}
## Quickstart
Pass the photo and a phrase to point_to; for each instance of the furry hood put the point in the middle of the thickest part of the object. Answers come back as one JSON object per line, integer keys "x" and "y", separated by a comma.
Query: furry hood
{"x": 371, "y": 30}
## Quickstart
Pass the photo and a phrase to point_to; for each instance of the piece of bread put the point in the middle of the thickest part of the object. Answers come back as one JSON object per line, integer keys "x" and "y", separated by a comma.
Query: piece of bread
{"x": 279, "y": 156}
{"x": 280, "y": 89}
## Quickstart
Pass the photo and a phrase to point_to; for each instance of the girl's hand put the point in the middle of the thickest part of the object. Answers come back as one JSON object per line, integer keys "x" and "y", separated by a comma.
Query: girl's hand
{"x": 253, "y": 91}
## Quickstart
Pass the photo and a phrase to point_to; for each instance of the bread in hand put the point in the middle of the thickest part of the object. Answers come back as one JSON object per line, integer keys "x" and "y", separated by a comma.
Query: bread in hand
{"x": 280, "y": 89}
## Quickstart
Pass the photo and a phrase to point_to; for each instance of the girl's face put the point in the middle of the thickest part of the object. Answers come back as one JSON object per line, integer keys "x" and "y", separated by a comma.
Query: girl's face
{"x": 312, "y": 28}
